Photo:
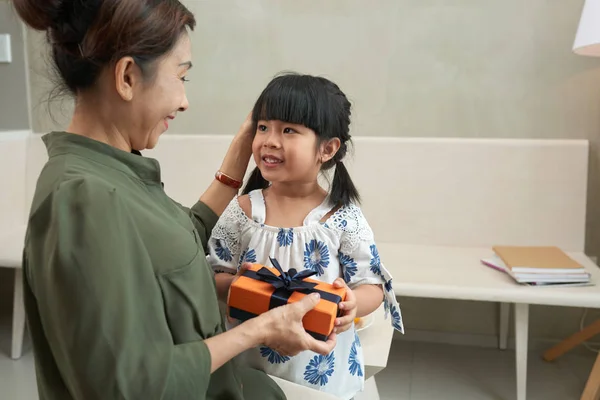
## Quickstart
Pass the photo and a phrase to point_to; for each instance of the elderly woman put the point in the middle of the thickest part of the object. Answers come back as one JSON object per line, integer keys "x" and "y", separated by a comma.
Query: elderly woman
{"x": 120, "y": 300}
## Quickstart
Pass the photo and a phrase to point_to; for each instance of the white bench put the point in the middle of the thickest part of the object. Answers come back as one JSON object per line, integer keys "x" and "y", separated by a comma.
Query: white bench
{"x": 437, "y": 206}
{"x": 13, "y": 206}
{"x": 452, "y": 199}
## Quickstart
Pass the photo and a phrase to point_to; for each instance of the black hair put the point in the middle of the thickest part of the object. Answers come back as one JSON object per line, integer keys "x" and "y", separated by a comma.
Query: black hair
{"x": 88, "y": 35}
{"x": 318, "y": 104}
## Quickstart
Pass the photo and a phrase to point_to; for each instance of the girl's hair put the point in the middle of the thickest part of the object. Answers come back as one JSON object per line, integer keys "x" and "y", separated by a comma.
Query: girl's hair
{"x": 318, "y": 104}
{"x": 88, "y": 35}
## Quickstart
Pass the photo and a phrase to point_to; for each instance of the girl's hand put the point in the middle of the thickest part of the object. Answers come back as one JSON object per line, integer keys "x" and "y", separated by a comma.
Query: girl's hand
{"x": 348, "y": 308}
{"x": 283, "y": 330}
{"x": 245, "y": 266}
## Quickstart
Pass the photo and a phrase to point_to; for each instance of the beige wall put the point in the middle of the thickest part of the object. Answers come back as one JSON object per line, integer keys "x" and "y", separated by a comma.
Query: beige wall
{"x": 463, "y": 68}
{"x": 14, "y": 106}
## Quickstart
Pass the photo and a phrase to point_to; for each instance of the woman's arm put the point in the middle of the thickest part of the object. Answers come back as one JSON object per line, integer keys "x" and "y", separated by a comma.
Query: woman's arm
{"x": 281, "y": 329}
{"x": 235, "y": 163}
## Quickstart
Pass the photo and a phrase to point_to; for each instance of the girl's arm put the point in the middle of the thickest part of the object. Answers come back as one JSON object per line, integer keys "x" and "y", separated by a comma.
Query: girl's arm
{"x": 361, "y": 301}
{"x": 368, "y": 299}
{"x": 224, "y": 281}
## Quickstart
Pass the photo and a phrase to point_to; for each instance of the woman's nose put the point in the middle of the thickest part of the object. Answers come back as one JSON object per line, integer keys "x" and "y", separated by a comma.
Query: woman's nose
{"x": 184, "y": 104}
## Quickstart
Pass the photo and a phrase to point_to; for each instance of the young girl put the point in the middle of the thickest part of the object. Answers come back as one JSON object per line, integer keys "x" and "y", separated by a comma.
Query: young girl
{"x": 302, "y": 128}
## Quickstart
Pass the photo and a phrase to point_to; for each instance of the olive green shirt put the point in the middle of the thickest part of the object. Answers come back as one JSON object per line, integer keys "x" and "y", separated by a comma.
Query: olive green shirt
{"x": 118, "y": 293}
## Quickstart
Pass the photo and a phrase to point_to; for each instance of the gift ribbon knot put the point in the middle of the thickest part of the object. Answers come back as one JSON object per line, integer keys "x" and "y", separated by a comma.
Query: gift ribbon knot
{"x": 289, "y": 280}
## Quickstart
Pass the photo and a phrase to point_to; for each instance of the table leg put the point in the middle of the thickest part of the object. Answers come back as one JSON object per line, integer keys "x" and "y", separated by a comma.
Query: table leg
{"x": 503, "y": 323}
{"x": 592, "y": 387}
{"x": 521, "y": 338}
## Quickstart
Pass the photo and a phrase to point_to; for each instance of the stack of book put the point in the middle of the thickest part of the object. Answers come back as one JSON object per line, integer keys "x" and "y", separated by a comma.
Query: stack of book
{"x": 538, "y": 266}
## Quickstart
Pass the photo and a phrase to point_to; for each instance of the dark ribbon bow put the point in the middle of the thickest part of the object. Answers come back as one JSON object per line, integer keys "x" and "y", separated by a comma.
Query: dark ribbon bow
{"x": 290, "y": 280}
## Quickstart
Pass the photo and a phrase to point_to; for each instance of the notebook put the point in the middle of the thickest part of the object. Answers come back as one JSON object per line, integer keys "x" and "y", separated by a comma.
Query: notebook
{"x": 546, "y": 280}
{"x": 537, "y": 259}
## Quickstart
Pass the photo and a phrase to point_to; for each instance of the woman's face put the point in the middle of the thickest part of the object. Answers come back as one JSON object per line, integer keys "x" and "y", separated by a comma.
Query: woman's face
{"x": 161, "y": 97}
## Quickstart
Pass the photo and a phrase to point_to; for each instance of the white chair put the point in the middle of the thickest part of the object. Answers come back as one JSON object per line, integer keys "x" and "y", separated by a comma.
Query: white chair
{"x": 11, "y": 253}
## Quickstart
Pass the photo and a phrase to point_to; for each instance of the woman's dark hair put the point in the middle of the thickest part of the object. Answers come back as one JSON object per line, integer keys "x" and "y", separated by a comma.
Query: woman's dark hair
{"x": 318, "y": 104}
{"x": 88, "y": 35}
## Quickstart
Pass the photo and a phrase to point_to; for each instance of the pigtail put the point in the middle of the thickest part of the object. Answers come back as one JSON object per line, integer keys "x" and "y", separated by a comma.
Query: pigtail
{"x": 256, "y": 181}
{"x": 343, "y": 191}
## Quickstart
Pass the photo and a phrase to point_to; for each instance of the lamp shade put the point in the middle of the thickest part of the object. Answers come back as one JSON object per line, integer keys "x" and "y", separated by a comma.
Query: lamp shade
{"x": 587, "y": 41}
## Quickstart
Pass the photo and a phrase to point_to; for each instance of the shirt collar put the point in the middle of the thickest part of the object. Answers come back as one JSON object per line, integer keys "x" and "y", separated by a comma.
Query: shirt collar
{"x": 134, "y": 164}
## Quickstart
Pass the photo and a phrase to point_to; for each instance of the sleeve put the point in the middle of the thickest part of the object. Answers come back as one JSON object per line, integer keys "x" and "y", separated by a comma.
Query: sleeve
{"x": 360, "y": 261}
{"x": 204, "y": 220}
{"x": 224, "y": 246}
{"x": 99, "y": 303}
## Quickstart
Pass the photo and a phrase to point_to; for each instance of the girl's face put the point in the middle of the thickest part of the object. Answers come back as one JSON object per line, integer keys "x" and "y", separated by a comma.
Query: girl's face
{"x": 287, "y": 152}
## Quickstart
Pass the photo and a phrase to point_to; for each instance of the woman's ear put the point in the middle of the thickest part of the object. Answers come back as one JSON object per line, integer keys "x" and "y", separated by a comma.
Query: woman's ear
{"x": 329, "y": 149}
{"x": 127, "y": 76}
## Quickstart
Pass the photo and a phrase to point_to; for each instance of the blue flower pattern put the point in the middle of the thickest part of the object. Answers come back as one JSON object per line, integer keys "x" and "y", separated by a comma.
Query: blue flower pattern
{"x": 222, "y": 251}
{"x": 316, "y": 256}
{"x": 272, "y": 356}
{"x": 375, "y": 260}
{"x": 354, "y": 361}
{"x": 348, "y": 266}
{"x": 319, "y": 369}
{"x": 396, "y": 318}
{"x": 285, "y": 237}
{"x": 357, "y": 339}
{"x": 322, "y": 371}
{"x": 388, "y": 286}
{"x": 248, "y": 255}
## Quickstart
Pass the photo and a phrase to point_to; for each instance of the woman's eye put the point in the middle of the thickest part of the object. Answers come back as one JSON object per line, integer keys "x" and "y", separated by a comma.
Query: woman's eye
{"x": 289, "y": 130}
{"x": 262, "y": 128}
{"x": 184, "y": 79}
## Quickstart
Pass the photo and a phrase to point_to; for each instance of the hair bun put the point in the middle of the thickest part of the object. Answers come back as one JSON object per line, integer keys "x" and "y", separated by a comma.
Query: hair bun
{"x": 38, "y": 14}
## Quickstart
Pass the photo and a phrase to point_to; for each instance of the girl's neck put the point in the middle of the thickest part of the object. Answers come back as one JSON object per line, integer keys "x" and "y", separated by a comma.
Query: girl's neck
{"x": 296, "y": 191}
{"x": 288, "y": 204}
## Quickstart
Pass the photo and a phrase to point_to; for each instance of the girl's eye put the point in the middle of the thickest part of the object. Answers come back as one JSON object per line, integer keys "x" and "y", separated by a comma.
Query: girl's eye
{"x": 184, "y": 79}
{"x": 262, "y": 128}
{"x": 289, "y": 130}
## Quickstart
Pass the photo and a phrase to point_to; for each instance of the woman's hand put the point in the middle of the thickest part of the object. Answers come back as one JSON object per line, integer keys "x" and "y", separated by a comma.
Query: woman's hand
{"x": 235, "y": 163}
{"x": 280, "y": 328}
{"x": 348, "y": 308}
{"x": 284, "y": 333}
{"x": 246, "y": 131}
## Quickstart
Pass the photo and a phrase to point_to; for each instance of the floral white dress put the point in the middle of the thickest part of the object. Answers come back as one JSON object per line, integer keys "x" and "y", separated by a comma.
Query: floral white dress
{"x": 341, "y": 246}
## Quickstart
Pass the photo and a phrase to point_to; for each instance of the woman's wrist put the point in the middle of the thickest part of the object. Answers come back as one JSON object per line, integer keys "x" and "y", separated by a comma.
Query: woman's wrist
{"x": 257, "y": 329}
{"x": 236, "y": 161}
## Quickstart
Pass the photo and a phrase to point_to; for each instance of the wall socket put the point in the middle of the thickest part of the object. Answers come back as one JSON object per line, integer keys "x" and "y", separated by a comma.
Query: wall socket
{"x": 5, "y": 50}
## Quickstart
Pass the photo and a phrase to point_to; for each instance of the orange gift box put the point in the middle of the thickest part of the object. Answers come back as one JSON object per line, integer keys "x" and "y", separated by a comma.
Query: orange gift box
{"x": 261, "y": 288}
